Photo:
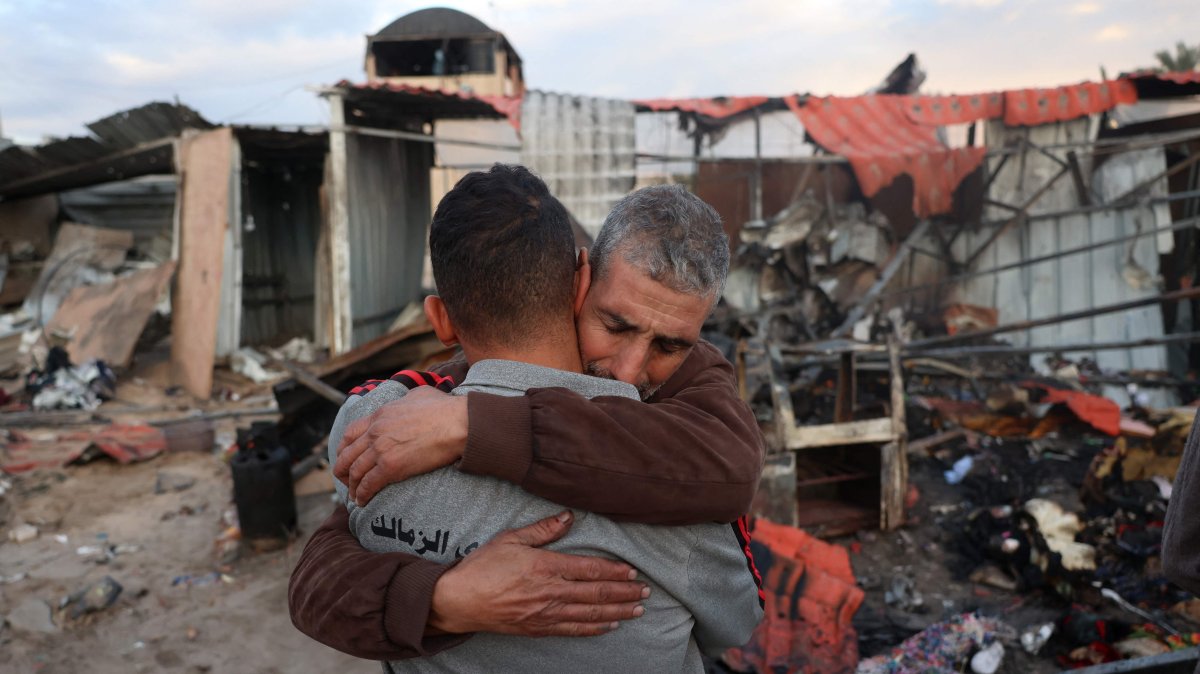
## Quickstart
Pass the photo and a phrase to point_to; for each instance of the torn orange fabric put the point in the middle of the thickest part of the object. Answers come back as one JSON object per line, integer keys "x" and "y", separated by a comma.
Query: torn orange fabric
{"x": 811, "y": 598}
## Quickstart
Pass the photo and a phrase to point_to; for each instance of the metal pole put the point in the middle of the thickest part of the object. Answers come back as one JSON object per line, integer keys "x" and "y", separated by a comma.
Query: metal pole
{"x": 756, "y": 205}
{"x": 1182, "y": 224}
{"x": 1184, "y": 294}
{"x": 960, "y": 351}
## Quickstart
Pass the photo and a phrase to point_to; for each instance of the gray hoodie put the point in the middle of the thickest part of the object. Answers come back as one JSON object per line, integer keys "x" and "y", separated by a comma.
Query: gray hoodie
{"x": 703, "y": 596}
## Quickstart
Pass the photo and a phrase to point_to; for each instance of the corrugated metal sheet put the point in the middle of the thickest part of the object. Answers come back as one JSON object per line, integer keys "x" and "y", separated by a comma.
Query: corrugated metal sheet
{"x": 1075, "y": 282}
{"x": 385, "y": 100}
{"x": 281, "y": 218}
{"x": 583, "y": 148}
{"x": 145, "y": 205}
{"x": 114, "y": 138}
{"x": 388, "y": 204}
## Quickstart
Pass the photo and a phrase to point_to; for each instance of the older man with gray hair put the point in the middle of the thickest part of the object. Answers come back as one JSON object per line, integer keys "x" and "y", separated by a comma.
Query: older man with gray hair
{"x": 657, "y": 270}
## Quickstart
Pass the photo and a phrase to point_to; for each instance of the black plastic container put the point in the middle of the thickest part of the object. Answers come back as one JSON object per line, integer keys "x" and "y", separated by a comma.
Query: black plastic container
{"x": 262, "y": 489}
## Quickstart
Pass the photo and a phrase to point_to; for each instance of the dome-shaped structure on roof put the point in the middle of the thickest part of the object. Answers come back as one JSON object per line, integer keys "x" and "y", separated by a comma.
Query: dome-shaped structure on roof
{"x": 442, "y": 48}
{"x": 434, "y": 21}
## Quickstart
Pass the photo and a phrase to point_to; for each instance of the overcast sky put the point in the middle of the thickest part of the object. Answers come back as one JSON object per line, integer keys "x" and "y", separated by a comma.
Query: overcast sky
{"x": 63, "y": 64}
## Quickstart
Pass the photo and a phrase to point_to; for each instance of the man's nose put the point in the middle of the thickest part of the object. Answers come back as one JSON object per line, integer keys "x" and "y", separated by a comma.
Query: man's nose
{"x": 630, "y": 365}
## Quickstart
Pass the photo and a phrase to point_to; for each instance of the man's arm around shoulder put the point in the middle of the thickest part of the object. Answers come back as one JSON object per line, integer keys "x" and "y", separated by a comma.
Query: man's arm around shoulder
{"x": 693, "y": 454}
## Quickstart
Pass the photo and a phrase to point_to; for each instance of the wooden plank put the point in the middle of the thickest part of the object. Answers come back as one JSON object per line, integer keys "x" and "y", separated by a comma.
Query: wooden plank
{"x": 893, "y": 460}
{"x": 106, "y": 320}
{"x": 832, "y": 435}
{"x": 311, "y": 382}
{"x": 204, "y": 217}
{"x": 342, "y": 323}
{"x": 843, "y": 409}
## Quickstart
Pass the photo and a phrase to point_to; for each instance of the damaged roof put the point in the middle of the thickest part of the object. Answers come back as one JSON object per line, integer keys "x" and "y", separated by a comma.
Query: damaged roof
{"x": 384, "y": 100}
{"x": 123, "y": 145}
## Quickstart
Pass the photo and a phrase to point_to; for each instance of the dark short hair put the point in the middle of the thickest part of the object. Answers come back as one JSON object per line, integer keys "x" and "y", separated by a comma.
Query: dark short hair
{"x": 503, "y": 255}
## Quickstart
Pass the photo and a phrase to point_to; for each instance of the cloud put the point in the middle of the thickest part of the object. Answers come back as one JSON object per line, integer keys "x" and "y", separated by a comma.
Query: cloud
{"x": 64, "y": 64}
{"x": 1112, "y": 33}
{"x": 971, "y": 3}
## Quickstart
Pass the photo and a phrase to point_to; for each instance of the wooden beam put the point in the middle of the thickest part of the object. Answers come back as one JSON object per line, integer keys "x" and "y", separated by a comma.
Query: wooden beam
{"x": 311, "y": 382}
{"x": 833, "y": 435}
{"x": 340, "y": 292}
{"x": 860, "y": 309}
{"x": 843, "y": 407}
{"x": 893, "y": 473}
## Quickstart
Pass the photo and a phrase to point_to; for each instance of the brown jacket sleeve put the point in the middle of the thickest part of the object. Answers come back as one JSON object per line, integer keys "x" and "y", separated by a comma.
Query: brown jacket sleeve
{"x": 369, "y": 605}
{"x": 1181, "y": 534}
{"x": 694, "y": 454}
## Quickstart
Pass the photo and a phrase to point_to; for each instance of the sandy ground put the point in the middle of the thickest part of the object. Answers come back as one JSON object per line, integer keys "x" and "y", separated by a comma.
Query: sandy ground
{"x": 240, "y": 624}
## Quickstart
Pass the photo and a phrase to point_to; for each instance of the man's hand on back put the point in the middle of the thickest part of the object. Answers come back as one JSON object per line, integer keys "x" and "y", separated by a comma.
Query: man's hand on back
{"x": 422, "y": 432}
{"x": 508, "y": 586}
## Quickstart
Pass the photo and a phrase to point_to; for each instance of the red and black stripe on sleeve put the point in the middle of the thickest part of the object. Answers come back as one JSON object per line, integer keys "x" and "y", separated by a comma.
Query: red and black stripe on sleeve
{"x": 741, "y": 530}
{"x": 410, "y": 379}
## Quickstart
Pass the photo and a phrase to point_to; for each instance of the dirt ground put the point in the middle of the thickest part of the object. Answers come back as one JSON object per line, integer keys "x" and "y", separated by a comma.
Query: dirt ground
{"x": 159, "y": 622}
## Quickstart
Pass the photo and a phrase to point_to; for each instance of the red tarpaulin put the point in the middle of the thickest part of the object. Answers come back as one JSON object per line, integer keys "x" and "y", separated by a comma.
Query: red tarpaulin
{"x": 876, "y": 134}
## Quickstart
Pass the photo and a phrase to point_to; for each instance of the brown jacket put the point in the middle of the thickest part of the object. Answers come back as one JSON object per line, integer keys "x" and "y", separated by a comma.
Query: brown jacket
{"x": 1181, "y": 535}
{"x": 694, "y": 455}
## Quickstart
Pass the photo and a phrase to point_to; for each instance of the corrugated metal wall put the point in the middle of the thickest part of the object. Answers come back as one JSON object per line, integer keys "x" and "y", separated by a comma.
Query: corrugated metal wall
{"x": 583, "y": 148}
{"x": 1075, "y": 282}
{"x": 388, "y": 202}
{"x": 145, "y": 206}
{"x": 280, "y": 221}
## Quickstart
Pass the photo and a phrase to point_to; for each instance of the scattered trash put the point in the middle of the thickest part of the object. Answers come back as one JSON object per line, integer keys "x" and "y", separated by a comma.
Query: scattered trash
{"x": 903, "y": 594}
{"x": 1035, "y": 637}
{"x": 941, "y": 648}
{"x": 32, "y": 615}
{"x": 988, "y": 660}
{"x": 302, "y": 350}
{"x": 63, "y": 386}
{"x": 96, "y": 597}
{"x": 990, "y": 574}
{"x": 189, "y": 580}
{"x": 22, "y": 533}
{"x": 172, "y": 482}
{"x": 252, "y": 365}
{"x": 961, "y": 467}
{"x": 1059, "y": 528}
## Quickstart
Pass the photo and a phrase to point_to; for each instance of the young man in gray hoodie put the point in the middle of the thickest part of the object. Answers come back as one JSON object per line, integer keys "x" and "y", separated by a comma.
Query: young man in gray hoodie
{"x": 510, "y": 288}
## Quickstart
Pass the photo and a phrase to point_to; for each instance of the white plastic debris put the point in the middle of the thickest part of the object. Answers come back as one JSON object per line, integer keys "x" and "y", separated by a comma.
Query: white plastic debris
{"x": 252, "y": 365}
{"x": 23, "y": 533}
{"x": 960, "y": 469}
{"x": 1034, "y": 638}
{"x": 988, "y": 660}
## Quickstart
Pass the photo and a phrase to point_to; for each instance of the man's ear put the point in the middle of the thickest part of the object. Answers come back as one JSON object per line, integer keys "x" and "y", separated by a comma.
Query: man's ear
{"x": 435, "y": 311}
{"x": 583, "y": 279}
